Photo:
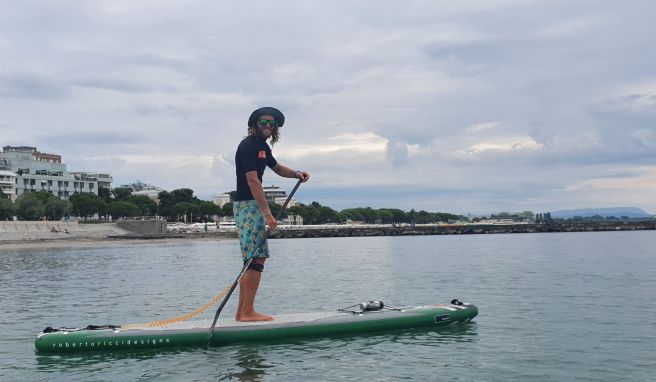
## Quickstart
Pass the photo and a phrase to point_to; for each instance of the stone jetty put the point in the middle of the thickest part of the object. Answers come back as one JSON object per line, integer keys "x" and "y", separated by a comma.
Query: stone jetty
{"x": 424, "y": 229}
{"x": 61, "y": 231}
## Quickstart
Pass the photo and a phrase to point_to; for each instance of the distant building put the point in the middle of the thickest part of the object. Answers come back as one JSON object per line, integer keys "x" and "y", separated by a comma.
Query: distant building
{"x": 294, "y": 220}
{"x": 37, "y": 171}
{"x": 104, "y": 180}
{"x": 145, "y": 189}
{"x": 278, "y": 196}
{"x": 222, "y": 199}
{"x": 271, "y": 193}
{"x": 7, "y": 179}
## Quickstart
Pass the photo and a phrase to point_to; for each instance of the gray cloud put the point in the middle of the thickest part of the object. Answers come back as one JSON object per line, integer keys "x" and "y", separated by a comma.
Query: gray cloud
{"x": 30, "y": 86}
{"x": 568, "y": 88}
{"x": 146, "y": 110}
{"x": 73, "y": 143}
{"x": 114, "y": 84}
{"x": 397, "y": 152}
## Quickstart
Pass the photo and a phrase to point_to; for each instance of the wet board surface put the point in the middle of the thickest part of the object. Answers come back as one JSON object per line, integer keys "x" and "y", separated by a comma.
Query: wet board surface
{"x": 282, "y": 327}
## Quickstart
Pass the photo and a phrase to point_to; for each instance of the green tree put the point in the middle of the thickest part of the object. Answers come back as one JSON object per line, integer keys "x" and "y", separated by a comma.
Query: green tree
{"x": 353, "y": 214}
{"x": 55, "y": 208}
{"x": 184, "y": 195}
{"x": 385, "y": 216}
{"x": 167, "y": 200}
{"x": 527, "y": 215}
{"x": 147, "y": 206}
{"x": 227, "y": 209}
{"x": 187, "y": 211}
{"x": 275, "y": 209}
{"x": 208, "y": 209}
{"x": 293, "y": 212}
{"x": 341, "y": 217}
{"x": 105, "y": 194}
{"x": 43, "y": 196}
{"x": 398, "y": 216}
{"x": 310, "y": 215}
{"x": 121, "y": 193}
{"x": 86, "y": 204}
{"x": 34, "y": 205}
{"x": 412, "y": 216}
{"x": 165, "y": 204}
{"x": 424, "y": 217}
{"x": 29, "y": 206}
{"x": 7, "y": 209}
{"x": 122, "y": 209}
{"x": 445, "y": 217}
{"x": 369, "y": 214}
{"x": 327, "y": 215}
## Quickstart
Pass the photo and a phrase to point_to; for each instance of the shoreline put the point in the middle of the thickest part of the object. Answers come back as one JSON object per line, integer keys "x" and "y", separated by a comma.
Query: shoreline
{"x": 89, "y": 243}
{"x": 299, "y": 232}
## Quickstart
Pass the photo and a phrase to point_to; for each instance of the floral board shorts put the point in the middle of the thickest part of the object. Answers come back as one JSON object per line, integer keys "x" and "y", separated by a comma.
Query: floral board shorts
{"x": 251, "y": 229}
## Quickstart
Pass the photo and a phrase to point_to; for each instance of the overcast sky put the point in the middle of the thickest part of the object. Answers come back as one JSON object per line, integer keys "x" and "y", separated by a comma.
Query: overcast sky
{"x": 455, "y": 106}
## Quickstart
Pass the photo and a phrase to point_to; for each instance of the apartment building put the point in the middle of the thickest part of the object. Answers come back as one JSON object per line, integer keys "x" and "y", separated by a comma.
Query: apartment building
{"x": 37, "y": 171}
{"x": 7, "y": 179}
{"x": 145, "y": 189}
{"x": 104, "y": 180}
{"x": 271, "y": 193}
{"x": 276, "y": 195}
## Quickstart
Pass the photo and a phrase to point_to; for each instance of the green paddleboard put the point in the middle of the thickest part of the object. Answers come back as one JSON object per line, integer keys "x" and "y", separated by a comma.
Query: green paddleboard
{"x": 281, "y": 328}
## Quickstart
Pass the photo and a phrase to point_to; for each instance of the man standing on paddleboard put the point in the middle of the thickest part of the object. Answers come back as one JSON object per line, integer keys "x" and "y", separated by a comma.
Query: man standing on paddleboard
{"x": 251, "y": 208}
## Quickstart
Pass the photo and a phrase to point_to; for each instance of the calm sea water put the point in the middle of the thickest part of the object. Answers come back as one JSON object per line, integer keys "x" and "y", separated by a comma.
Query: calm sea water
{"x": 553, "y": 307}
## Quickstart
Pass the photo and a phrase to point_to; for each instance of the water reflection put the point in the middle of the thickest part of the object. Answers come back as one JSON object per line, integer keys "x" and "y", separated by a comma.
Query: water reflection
{"x": 19, "y": 262}
{"x": 453, "y": 334}
{"x": 251, "y": 365}
{"x": 101, "y": 359}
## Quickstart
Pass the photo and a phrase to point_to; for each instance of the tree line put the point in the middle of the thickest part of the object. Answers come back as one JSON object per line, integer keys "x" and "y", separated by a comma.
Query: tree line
{"x": 182, "y": 205}
{"x": 315, "y": 213}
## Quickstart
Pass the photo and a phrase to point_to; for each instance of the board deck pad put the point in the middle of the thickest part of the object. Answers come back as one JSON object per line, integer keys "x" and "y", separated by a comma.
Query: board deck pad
{"x": 228, "y": 331}
{"x": 280, "y": 319}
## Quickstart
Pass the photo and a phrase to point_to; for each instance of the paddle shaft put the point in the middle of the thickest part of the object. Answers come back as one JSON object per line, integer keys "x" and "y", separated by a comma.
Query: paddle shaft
{"x": 245, "y": 267}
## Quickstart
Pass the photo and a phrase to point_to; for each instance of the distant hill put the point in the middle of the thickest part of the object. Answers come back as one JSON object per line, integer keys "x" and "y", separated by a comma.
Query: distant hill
{"x": 631, "y": 212}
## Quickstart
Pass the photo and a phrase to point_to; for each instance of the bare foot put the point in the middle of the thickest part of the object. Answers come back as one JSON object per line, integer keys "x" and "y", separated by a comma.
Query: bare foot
{"x": 255, "y": 316}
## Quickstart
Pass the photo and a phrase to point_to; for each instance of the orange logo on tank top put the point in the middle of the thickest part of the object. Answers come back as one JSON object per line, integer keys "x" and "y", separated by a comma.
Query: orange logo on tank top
{"x": 261, "y": 154}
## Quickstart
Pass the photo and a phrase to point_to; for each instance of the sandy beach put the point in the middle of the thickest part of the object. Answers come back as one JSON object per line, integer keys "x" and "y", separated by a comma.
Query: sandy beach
{"x": 48, "y": 234}
{"x": 93, "y": 243}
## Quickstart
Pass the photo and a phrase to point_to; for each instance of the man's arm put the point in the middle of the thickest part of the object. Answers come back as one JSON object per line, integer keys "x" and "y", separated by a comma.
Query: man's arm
{"x": 287, "y": 172}
{"x": 258, "y": 193}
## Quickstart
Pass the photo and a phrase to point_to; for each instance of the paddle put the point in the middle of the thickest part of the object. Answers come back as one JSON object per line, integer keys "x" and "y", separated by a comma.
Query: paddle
{"x": 243, "y": 269}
